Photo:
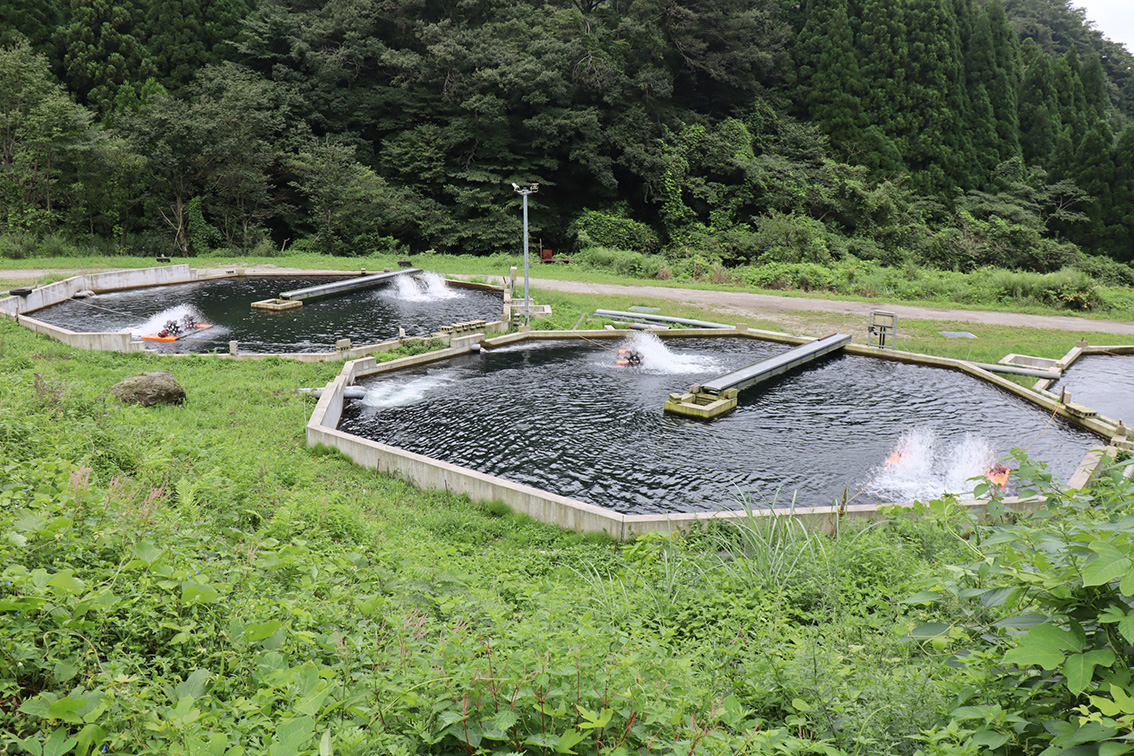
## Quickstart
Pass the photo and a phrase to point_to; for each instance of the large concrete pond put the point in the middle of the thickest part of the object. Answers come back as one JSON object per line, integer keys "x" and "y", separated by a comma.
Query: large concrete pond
{"x": 564, "y": 417}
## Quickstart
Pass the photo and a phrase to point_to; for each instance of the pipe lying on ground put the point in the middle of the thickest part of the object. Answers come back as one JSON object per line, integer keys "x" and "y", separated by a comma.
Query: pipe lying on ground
{"x": 1051, "y": 375}
{"x": 350, "y": 392}
{"x": 658, "y": 319}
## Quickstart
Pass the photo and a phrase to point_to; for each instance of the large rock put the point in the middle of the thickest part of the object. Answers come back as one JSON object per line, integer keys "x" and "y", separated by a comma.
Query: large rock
{"x": 148, "y": 389}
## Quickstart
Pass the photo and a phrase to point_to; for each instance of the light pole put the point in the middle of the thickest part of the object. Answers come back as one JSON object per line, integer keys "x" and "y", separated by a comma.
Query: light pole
{"x": 524, "y": 191}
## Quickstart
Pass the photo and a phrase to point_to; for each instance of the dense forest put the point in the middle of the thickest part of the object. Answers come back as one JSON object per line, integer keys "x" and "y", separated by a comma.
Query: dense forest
{"x": 948, "y": 133}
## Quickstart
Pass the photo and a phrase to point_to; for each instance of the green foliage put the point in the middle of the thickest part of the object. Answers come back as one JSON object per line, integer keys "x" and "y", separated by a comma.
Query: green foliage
{"x": 350, "y": 205}
{"x": 794, "y": 239}
{"x": 1040, "y": 621}
{"x": 1067, "y": 288}
{"x": 1064, "y": 289}
{"x": 599, "y": 229}
{"x": 623, "y": 261}
{"x": 202, "y": 236}
{"x": 43, "y": 134}
{"x": 649, "y": 128}
{"x": 792, "y": 276}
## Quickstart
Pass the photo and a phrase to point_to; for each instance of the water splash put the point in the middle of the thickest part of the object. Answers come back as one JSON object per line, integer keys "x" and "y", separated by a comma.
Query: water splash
{"x": 658, "y": 358}
{"x": 402, "y": 394}
{"x": 428, "y": 287}
{"x": 921, "y": 466}
{"x": 157, "y": 322}
{"x": 436, "y": 288}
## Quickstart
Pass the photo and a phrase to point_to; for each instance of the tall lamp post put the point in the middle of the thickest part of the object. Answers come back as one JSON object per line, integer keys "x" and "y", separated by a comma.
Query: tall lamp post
{"x": 524, "y": 191}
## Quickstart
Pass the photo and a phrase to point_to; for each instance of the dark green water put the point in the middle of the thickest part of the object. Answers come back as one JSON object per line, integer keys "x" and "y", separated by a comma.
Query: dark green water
{"x": 566, "y": 419}
{"x": 365, "y": 316}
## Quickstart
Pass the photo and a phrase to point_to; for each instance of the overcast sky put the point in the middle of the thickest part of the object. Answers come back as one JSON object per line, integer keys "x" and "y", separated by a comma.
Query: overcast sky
{"x": 1114, "y": 18}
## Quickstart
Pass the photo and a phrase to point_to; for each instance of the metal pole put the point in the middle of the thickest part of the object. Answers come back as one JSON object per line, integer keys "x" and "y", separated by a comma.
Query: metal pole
{"x": 524, "y": 192}
{"x": 527, "y": 302}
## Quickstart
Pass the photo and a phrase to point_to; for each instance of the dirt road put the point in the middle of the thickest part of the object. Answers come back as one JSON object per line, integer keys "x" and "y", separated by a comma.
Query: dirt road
{"x": 762, "y": 305}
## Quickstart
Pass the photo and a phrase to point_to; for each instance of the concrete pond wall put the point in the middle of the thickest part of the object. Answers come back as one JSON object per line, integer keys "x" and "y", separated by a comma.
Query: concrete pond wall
{"x": 428, "y": 473}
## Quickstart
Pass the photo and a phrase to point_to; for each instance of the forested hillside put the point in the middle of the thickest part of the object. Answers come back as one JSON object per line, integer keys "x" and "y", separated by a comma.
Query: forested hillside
{"x": 949, "y": 133}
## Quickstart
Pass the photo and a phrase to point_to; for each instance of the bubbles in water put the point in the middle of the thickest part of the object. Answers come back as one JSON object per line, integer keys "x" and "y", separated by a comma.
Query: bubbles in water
{"x": 658, "y": 358}
{"x": 921, "y": 466}
{"x": 157, "y": 322}
{"x": 401, "y": 394}
{"x": 428, "y": 287}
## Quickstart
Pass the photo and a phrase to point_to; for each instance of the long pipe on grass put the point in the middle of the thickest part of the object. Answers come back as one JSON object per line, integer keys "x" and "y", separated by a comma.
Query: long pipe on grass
{"x": 658, "y": 318}
{"x": 1052, "y": 375}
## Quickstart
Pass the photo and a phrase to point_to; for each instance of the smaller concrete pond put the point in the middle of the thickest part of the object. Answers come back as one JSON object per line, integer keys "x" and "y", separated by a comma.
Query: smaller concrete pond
{"x": 420, "y": 305}
{"x": 565, "y": 418}
{"x": 1103, "y": 382}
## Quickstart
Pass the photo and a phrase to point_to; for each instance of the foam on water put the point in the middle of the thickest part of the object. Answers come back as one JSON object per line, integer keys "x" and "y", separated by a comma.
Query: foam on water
{"x": 922, "y": 467}
{"x": 658, "y": 358}
{"x": 402, "y": 394}
{"x": 157, "y": 322}
{"x": 430, "y": 287}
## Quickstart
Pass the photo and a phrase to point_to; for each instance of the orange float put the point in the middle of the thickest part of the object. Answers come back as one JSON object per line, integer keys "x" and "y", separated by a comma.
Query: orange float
{"x": 165, "y": 335}
{"x": 998, "y": 475}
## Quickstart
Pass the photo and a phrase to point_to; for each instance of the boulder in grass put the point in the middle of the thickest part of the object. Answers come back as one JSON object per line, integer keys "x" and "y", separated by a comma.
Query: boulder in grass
{"x": 148, "y": 389}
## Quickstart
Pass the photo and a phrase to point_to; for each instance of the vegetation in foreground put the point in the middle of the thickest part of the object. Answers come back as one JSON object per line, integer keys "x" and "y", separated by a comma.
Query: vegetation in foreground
{"x": 192, "y": 580}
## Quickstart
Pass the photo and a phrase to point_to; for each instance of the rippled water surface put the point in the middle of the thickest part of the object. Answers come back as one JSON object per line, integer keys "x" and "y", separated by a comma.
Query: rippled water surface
{"x": 563, "y": 417}
{"x": 1103, "y": 382}
{"x": 365, "y": 316}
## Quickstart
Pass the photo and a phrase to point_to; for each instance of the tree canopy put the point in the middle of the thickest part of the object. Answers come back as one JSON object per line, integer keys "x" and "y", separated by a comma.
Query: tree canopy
{"x": 354, "y": 125}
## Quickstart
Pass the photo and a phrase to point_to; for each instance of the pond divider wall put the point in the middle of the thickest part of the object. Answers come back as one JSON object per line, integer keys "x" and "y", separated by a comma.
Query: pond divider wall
{"x": 16, "y": 307}
{"x": 427, "y": 473}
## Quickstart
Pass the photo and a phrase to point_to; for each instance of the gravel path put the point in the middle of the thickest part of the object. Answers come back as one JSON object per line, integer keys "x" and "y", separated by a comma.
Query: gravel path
{"x": 747, "y": 304}
{"x": 756, "y": 305}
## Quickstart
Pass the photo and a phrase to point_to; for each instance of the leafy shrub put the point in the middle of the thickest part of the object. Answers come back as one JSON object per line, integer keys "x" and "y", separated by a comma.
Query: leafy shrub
{"x": 1105, "y": 270}
{"x": 802, "y": 276}
{"x": 1066, "y": 289}
{"x": 795, "y": 238}
{"x": 600, "y": 229}
{"x": 16, "y": 245}
{"x": 622, "y": 261}
{"x": 1042, "y": 622}
{"x": 22, "y": 245}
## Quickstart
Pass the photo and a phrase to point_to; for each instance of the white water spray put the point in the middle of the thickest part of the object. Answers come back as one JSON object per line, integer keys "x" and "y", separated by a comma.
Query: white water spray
{"x": 430, "y": 287}
{"x": 394, "y": 394}
{"x": 921, "y": 466}
{"x": 157, "y": 322}
{"x": 657, "y": 357}
{"x": 436, "y": 288}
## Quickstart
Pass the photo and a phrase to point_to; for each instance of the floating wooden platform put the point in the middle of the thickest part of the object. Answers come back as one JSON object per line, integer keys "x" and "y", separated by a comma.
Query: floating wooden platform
{"x": 276, "y": 305}
{"x": 718, "y": 396}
